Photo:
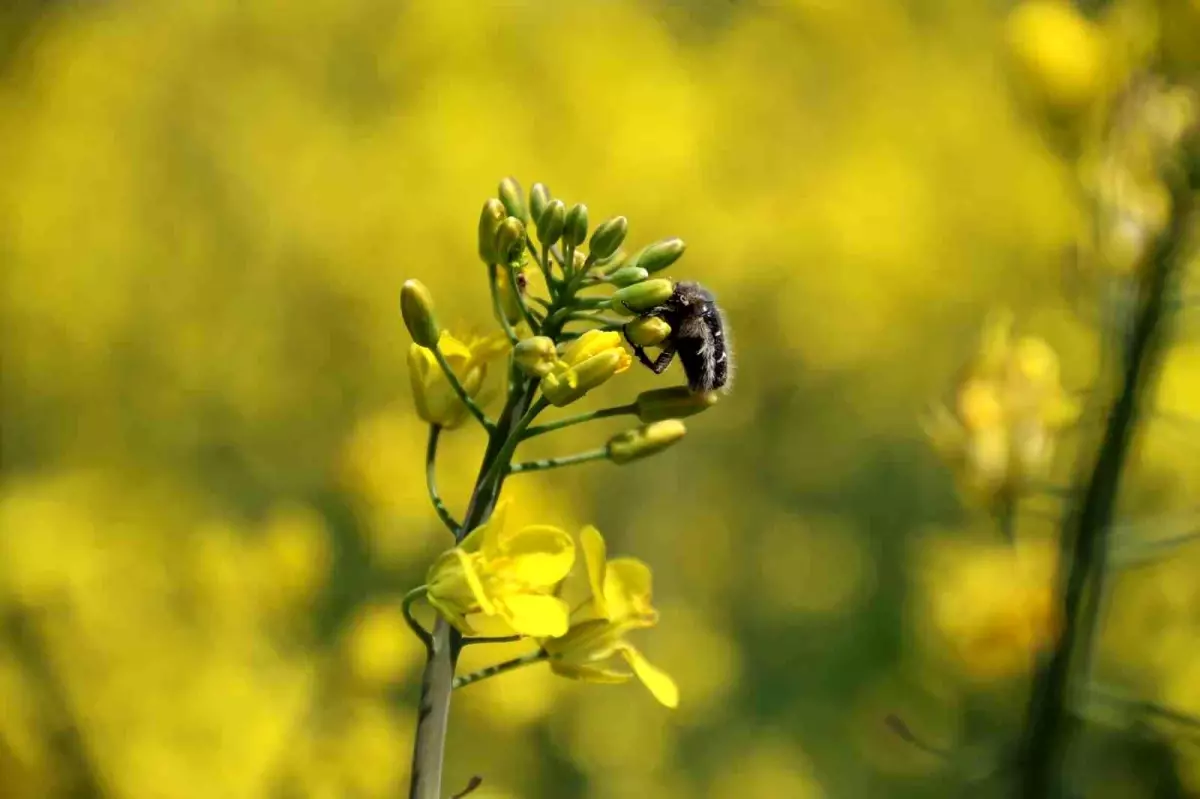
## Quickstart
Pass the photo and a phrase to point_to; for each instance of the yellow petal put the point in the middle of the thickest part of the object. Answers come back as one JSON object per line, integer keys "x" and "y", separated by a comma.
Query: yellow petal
{"x": 538, "y": 555}
{"x": 535, "y": 615}
{"x": 593, "y": 674}
{"x": 627, "y": 588}
{"x": 658, "y": 681}
{"x": 475, "y": 583}
{"x": 594, "y": 557}
{"x": 454, "y": 351}
{"x": 494, "y": 530}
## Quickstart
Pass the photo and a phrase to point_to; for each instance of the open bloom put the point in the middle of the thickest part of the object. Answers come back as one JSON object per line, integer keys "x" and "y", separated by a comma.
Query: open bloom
{"x": 1007, "y": 411}
{"x": 504, "y": 574}
{"x": 618, "y": 601}
{"x": 584, "y": 364}
{"x": 436, "y": 401}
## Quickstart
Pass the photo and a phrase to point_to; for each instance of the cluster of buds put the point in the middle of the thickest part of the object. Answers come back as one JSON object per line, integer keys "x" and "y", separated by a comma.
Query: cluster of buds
{"x": 565, "y": 300}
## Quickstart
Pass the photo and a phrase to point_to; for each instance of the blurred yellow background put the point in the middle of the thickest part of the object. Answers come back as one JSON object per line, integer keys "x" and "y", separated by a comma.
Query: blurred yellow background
{"x": 213, "y": 490}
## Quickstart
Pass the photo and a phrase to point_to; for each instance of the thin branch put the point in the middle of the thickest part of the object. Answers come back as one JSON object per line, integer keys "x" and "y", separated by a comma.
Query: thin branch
{"x": 550, "y": 427}
{"x": 557, "y": 463}
{"x": 443, "y": 512}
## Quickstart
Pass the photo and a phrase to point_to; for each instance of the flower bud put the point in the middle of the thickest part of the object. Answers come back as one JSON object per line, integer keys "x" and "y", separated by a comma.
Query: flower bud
{"x": 647, "y": 332}
{"x": 627, "y": 276}
{"x": 536, "y": 355}
{"x": 416, "y": 306}
{"x": 510, "y": 240}
{"x": 513, "y": 199}
{"x": 676, "y": 402}
{"x": 550, "y": 224}
{"x": 642, "y": 296}
{"x": 644, "y": 441}
{"x": 576, "y": 229}
{"x": 658, "y": 256}
{"x": 608, "y": 237}
{"x": 489, "y": 221}
{"x": 539, "y": 198}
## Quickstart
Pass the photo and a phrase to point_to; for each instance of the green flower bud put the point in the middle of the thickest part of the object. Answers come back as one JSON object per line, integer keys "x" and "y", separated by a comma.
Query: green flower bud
{"x": 539, "y": 197}
{"x": 536, "y": 355}
{"x": 659, "y": 256}
{"x": 644, "y": 441}
{"x": 489, "y": 221}
{"x": 576, "y": 225}
{"x": 647, "y": 332}
{"x": 550, "y": 224}
{"x": 642, "y": 296}
{"x": 608, "y": 237}
{"x": 676, "y": 402}
{"x": 627, "y": 276}
{"x": 510, "y": 240}
{"x": 416, "y": 306}
{"x": 611, "y": 263}
{"x": 513, "y": 199}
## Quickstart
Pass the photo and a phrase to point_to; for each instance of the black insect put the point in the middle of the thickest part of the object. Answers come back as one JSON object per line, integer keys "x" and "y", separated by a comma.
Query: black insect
{"x": 697, "y": 335}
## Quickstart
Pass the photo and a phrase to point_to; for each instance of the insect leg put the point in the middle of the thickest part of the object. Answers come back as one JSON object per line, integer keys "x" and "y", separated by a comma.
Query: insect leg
{"x": 660, "y": 364}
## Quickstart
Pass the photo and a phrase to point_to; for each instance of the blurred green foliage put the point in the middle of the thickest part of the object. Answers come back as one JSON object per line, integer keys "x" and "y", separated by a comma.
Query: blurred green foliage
{"x": 212, "y": 473}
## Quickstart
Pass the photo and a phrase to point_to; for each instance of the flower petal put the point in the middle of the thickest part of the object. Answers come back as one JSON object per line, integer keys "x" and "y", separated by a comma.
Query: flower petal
{"x": 474, "y": 581}
{"x": 537, "y": 555}
{"x": 535, "y": 615}
{"x": 594, "y": 557}
{"x": 493, "y": 531}
{"x": 627, "y": 589}
{"x": 658, "y": 681}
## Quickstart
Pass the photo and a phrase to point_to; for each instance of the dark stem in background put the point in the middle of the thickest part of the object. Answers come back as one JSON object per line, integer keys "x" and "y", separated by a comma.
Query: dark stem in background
{"x": 433, "y": 710}
{"x": 1051, "y": 725}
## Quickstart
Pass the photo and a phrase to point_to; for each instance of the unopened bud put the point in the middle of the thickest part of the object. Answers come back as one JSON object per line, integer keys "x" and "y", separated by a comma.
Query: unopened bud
{"x": 576, "y": 229}
{"x": 647, "y": 331}
{"x": 539, "y": 197}
{"x": 551, "y": 222}
{"x": 416, "y": 306}
{"x": 489, "y": 221}
{"x": 676, "y": 402}
{"x": 642, "y": 296}
{"x": 608, "y": 237}
{"x": 658, "y": 256}
{"x": 627, "y": 276}
{"x": 510, "y": 240}
{"x": 513, "y": 199}
{"x": 644, "y": 441}
{"x": 536, "y": 356}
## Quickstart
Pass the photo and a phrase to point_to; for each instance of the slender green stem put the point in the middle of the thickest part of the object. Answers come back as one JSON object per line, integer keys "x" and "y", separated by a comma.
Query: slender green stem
{"x": 406, "y": 605}
{"x": 550, "y": 427}
{"x": 525, "y": 314}
{"x": 568, "y": 267}
{"x": 475, "y": 410}
{"x": 499, "y": 467}
{"x": 443, "y": 512}
{"x": 555, "y": 463}
{"x": 500, "y": 668}
{"x": 497, "y": 307}
{"x": 495, "y": 639}
{"x": 1050, "y": 724}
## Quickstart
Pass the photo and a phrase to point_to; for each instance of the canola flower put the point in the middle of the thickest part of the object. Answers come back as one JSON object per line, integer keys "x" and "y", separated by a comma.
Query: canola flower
{"x": 503, "y": 582}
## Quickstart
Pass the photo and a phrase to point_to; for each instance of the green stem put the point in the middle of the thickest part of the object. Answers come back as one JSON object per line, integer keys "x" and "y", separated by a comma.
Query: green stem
{"x": 497, "y": 308}
{"x": 475, "y": 410}
{"x": 495, "y": 639}
{"x": 550, "y": 427}
{"x": 555, "y": 463}
{"x": 500, "y": 668}
{"x": 433, "y": 708}
{"x": 406, "y": 605}
{"x": 443, "y": 512}
{"x": 1051, "y": 726}
{"x": 525, "y": 314}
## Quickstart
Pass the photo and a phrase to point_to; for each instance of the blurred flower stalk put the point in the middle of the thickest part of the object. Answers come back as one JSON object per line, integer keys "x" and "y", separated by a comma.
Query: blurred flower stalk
{"x": 1137, "y": 153}
{"x": 500, "y": 582}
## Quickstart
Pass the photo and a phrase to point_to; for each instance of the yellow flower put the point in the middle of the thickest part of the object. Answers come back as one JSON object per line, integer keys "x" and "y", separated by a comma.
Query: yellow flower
{"x": 436, "y": 401}
{"x": 1007, "y": 410}
{"x": 585, "y": 363}
{"x": 619, "y": 601}
{"x": 1059, "y": 51}
{"x": 502, "y": 573}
